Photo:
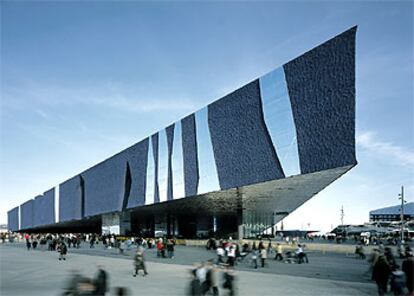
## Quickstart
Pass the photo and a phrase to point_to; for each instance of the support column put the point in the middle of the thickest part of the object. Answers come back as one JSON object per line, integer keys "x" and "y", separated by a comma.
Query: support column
{"x": 240, "y": 225}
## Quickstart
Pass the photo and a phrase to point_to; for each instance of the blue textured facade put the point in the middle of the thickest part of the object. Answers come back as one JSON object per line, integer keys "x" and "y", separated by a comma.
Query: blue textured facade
{"x": 48, "y": 207}
{"x": 137, "y": 159}
{"x": 26, "y": 212}
{"x": 190, "y": 157}
{"x": 104, "y": 186}
{"x": 242, "y": 147}
{"x": 70, "y": 200}
{"x": 13, "y": 219}
{"x": 44, "y": 209}
{"x": 321, "y": 87}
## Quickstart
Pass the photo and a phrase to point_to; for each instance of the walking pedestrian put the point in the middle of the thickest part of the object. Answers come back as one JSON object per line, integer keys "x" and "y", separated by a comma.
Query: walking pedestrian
{"x": 220, "y": 254}
{"x": 381, "y": 274}
{"x": 229, "y": 281}
{"x": 263, "y": 256}
{"x": 408, "y": 268}
{"x": 170, "y": 248}
{"x": 101, "y": 282}
{"x": 195, "y": 287}
{"x": 231, "y": 255}
{"x": 139, "y": 262}
{"x": 279, "y": 252}
{"x": 63, "y": 250}
{"x": 28, "y": 243}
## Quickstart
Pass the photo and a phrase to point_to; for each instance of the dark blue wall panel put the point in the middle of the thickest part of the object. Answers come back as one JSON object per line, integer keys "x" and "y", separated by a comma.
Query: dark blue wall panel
{"x": 104, "y": 186}
{"x": 37, "y": 210}
{"x": 154, "y": 139}
{"x": 44, "y": 209}
{"x": 242, "y": 146}
{"x": 137, "y": 157}
{"x": 70, "y": 200}
{"x": 170, "y": 139}
{"x": 26, "y": 212}
{"x": 321, "y": 86}
{"x": 13, "y": 219}
{"x": 190, "y": 158}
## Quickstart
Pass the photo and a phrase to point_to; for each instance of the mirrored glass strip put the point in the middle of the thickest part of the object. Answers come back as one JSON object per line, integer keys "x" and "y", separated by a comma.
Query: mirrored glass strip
{"x": 278, "y": 116}
{"x": 206, "y": 163}
{"x": 163, "y": 165}
{"x": 178, "y": 163}
{"x": 149, "y": 192}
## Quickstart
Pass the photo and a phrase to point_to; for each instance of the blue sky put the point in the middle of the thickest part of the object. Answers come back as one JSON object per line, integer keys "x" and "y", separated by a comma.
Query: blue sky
{"x": 81, "y": 81}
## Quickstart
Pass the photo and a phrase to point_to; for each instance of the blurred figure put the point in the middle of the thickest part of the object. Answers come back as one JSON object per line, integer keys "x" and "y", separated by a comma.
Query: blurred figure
{"x": 170, "y": 248}
{"x": 300, "y": 254}
{"x": 359, "y": 251}
{"x": 373, "y": 260}
{"x": 121, "y": 247}
{"x": 139, "y": 262}
{"x": 408, "y": 269}
{"x": 215, "y": 280}
{"x": 398, "y": 282}
{"x": 101, "y": 281}
{"x": 71, "y": 286}
{"x": 390, "y": 258}
{"x": 220, "y": 254}
{"x": 34, "y": 244}
{"x": 231, "y": 255}
{"x": 255, "y": 254}
{"x": 121, "y": 291}
{"x": 206, "y": 284}
{"x": 279, "y": 252}
{"x": 160, "y": 248}
{"x": 63, "y": 250}
{"x": 28, "y": 243}
{"x": 381, "y": 273}
{"x": 77, "y": 285}
{"x": 229, "y": 281}
{"x": 195, "y": 287}
{"x": 263, "y": 256}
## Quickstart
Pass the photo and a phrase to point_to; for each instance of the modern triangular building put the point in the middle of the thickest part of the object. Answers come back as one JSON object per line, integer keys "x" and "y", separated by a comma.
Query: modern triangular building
{"x": 235, "y": 167}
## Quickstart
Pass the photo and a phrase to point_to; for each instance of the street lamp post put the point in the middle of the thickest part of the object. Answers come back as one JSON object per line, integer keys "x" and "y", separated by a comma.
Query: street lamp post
{"x": 401, "y": 196}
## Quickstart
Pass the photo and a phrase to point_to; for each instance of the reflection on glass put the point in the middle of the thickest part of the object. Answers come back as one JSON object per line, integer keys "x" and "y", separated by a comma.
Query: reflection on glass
{"x": 256, "y": 224}
{"x": 149, "y": 192}
{"x": 278, "y": 116}
{"x": 177, "y": 163}
{"x": 206, "y": 163}
{"x": 162, "y": 164}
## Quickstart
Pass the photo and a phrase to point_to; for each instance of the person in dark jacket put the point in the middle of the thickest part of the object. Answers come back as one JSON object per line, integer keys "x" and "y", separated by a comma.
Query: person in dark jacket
{"x": 408, "y": 268}
{"x": 101, "y": 281}
{"x": 229, "y": 281}
{"x": 195, "y": 285}
{"x": 381, "y": 274}
{"x": 63, "y": 250}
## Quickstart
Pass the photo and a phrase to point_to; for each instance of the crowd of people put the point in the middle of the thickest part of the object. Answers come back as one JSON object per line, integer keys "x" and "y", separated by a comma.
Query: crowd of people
{"x": 231, "y": 253}
{"x": 386, "y": 272}
{"x": 205, "y": 279}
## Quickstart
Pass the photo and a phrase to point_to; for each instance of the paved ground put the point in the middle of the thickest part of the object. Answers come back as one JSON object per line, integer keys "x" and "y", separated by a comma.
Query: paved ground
{"x": 40, "y": 273}
{"x": 322, "y": 265}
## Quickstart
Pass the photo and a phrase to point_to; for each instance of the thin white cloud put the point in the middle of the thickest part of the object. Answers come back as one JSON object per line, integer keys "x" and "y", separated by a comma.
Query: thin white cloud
{"x": 369, "y": 141}
{"x": 109, "y": 95}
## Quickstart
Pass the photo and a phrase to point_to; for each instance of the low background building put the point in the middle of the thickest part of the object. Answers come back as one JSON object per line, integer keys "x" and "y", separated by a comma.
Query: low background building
{"x": 392, "y": 213}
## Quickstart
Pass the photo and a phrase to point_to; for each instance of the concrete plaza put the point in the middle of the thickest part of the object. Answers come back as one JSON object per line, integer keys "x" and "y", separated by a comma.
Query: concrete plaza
{"x": 34, "y": 273}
